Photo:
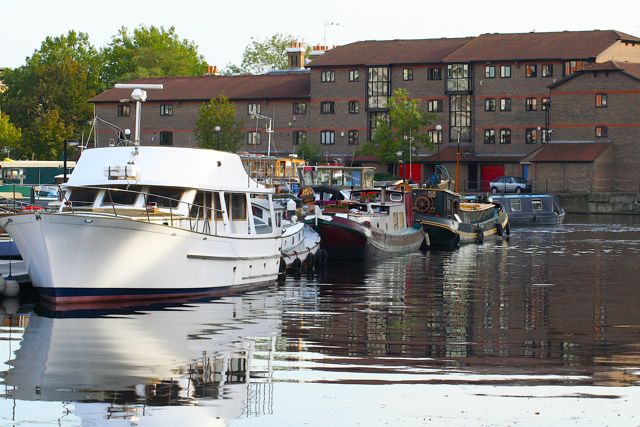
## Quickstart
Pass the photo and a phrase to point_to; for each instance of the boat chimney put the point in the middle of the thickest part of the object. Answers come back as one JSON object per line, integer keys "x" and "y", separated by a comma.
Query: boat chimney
{"x": 383, "y": 195}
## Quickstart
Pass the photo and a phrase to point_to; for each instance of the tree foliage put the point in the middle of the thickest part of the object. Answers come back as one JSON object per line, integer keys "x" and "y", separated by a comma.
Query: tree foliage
{"x": 403, "y": 129}
{"x": 218, "y": 112}
{"x": 263, "y": 55}
{"x": 55, "y": 83}
{"x": 150, "y": 52}
{"x": 9, "y": 134}
{"x": 309, "y": 152}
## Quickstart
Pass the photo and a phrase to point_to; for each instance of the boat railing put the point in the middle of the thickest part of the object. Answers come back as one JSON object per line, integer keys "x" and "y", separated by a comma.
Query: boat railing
{"x": 196, "y": 219}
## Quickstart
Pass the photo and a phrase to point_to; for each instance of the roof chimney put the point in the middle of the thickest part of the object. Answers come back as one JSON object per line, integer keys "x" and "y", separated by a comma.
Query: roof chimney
{"x": 212, "y": 70}
{"x": 295, "y": 55}
{"x": 317, "y": 51}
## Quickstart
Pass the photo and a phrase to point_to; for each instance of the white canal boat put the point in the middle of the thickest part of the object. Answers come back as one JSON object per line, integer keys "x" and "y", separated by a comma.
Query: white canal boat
{"x": 150, "y": 222}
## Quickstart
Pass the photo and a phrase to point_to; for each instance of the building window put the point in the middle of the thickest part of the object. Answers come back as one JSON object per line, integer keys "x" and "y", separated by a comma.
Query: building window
{"x": 601, "y": 131}
{"x": 253, "y": 138}
{"x": 328, "y": 107}
{"x": 547, "y": 70}
{"x": 505, "y": 104}
{"x": 505, "y": 136}
{"x": 571, "y": 67}
{"x": 166, "y": 110}
{"x": 531, "y": 136}
{"x": 299, "y": 108}
{"x": 435, "y": 136}
{"x": 374, "y": 118}
{"x": 458, "y": 77}
{"x": 434, "y": 73}
{"x": 378, "y": 86}
{"x": 327, "y": 137}
{"x": 460, "y": 117}
{"x": 490, "y": 104}
{"x": 166, "y": 138}
{"x": 124, "y": 110}
{"x": 531, "y": 70}
{"x": 505, "y": 71}
{"x": 407, "y": 74}
{"x": 434, "y": 105}
{"x": 328, "y": 76}
{"x": 354, "y": 75}
{"x": 354, "y": 137}
{"x": 531, "y": 104}
{"x": 490, "y": 71}
{"x": 489, "y": 136}
{"x": 545, "y": 103}
{"x": 253, "y": 109}
{"x": 299, "y": 137}
{"x": 354, "y": 107}
{"x": 601, "y": 100}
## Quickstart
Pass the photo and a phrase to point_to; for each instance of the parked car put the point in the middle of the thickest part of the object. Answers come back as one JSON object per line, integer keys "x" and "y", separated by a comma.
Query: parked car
{"x": 510, "y": 184}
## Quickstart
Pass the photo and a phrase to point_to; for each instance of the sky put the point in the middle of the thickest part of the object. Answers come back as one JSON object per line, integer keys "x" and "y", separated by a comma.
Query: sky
{"x": 222, "y": 29}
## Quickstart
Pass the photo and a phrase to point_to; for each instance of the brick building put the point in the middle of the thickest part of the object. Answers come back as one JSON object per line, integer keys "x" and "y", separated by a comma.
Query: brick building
{"x": 509, "y": 103}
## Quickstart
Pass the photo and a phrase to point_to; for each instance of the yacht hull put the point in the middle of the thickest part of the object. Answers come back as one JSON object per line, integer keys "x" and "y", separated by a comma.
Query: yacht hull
{"x": 78, "y": 258}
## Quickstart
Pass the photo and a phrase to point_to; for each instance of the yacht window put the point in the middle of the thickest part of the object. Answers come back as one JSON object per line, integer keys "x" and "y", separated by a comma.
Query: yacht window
{"x": 536, "y": 205}
{"x": 395, "y": 197}
{"x": 217, "y": 206}
{"x": 516, "y": 205}
{"x": 164, "y": 197}
{"x": 201, "y": 207}
{"x": 237, "y": 205}
{"x": 117, "y": 196}
{"x": 83, "y": 196}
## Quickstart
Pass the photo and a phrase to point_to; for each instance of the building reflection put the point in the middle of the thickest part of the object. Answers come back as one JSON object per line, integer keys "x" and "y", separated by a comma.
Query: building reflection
{"x": 547, "y": 305}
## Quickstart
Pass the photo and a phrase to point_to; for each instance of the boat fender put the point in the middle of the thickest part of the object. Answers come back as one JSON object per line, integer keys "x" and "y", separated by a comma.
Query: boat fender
{"x": 297, "y": 267}
{"x": 479, "y": 236}
{"x": 3, "y": 284}
{"x": 310, "y": 263}
{"x": 321, "y": 257}
{"x": 507, "y": 230}
{"x": 12, "y": 289}
{"x": 457, "y": 240}
{"x": 282, "y": 269}
{"x": 499, "y": 229}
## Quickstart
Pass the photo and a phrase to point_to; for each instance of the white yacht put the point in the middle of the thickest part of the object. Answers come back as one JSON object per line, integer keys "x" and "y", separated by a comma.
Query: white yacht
{"x": 150, "y": 222}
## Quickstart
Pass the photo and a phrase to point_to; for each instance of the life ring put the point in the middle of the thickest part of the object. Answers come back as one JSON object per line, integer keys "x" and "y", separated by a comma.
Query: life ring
{"x": 422, "y": 204}
{"x": 404, "y": 187}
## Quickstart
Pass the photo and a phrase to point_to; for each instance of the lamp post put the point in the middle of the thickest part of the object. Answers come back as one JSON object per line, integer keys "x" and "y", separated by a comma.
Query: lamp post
{"x": 438, "y": 129}
{"x": 458, "y": 162}
{"x": 410, "y": 139}
{"x": 216, "y": 129}
{"x": 64, "y": 158}
{"x": 399, "y": 155}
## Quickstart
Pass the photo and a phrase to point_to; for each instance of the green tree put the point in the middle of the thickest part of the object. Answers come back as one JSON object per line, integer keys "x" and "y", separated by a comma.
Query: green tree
{"x": 150, "y": 52}
{"x": 44, "y": 139}
{"x": 54, "y": 84}
{"x": 403, "y": 129}
{"x": 9, "y": 134}
{"x": 309, "y": 152}
{"x": 219, "y": 112}
{"x": 262, "y": 56}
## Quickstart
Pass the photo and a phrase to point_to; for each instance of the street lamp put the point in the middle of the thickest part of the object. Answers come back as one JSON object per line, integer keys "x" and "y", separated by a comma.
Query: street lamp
{"x": 458, "y": 161}
{"x": 400, "y": 155}
{"x": 216, "y": 129}
{"x": 410, "y": 139}
{"x": 438, "y": 129}
{"x": 64, "y": 158}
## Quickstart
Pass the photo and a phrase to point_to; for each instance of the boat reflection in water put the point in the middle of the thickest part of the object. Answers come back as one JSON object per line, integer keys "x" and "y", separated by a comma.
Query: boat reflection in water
{"x": 131, "y": 363}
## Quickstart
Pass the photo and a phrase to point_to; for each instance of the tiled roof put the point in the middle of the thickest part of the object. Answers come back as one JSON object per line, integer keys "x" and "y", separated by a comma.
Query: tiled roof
{"x": 531, "y": 46}
{"x": 276, "y": 86}
{"x": 632, "y": 70}
{"x": 383, "y": 52}
{"x": 569, "y": 152}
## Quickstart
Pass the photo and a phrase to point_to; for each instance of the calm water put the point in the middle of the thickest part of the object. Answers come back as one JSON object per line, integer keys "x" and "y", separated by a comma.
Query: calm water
{"x": 541, "y": 330}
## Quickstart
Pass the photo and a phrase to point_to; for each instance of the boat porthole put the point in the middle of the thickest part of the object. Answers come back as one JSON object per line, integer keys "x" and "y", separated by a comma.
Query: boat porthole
{"x": 250, "y": 266}
{"x": 88, "y": 221}
{"x": 234, "y": 269}
{"x": 173, "y": 234}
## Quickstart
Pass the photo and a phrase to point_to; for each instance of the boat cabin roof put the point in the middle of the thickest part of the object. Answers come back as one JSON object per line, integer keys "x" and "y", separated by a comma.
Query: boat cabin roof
{"x": 164, "y": 166}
